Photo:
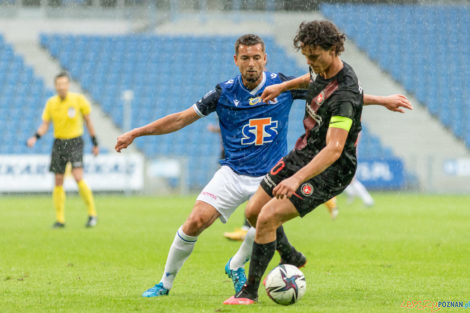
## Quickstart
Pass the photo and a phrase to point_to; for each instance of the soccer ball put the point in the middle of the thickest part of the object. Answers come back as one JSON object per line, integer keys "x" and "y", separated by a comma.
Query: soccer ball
{"x": 285, "y": 284}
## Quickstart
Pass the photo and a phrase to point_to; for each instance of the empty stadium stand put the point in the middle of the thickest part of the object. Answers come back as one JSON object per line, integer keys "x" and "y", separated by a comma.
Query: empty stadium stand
{"x": 425, "y": 48}
{"x": 22, "y": 99}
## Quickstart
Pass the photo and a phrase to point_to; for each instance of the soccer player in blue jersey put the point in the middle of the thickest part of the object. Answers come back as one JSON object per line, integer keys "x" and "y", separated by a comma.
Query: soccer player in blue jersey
{"x": 254, "y": 139}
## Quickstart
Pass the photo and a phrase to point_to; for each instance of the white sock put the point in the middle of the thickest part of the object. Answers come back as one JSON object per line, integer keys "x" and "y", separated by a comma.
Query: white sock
{"x": 363, "y": 193}
{"x": 350, "y": 190}
{"x": 243, "y": 254}
{"x": 180, "y": 250}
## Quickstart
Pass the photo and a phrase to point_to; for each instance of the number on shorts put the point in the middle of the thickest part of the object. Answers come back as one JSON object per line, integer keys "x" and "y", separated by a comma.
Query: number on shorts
{"x": 278, "y": 167}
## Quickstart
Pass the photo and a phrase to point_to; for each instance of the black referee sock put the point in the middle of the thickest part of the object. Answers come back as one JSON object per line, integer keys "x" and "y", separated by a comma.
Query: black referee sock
{"x": 283, "y": 246}
{"x": 260, "y": 258}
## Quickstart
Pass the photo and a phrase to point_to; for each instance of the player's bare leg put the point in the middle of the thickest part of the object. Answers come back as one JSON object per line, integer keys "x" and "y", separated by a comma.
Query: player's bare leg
{"x": 289, "y": 255}
{"x": 275, "y": 213}
{"x": 256, "y": 202}
{"x": 201, "y": 217}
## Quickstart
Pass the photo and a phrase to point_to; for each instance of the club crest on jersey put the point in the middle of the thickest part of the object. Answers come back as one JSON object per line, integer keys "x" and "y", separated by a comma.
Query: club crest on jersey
{"x": 259, "y": 131}
{"x": 320, "y": 97}
{"x": 257, "y": 100}
{"x": 306, "y": 189}
{"x": 254, "y": 101}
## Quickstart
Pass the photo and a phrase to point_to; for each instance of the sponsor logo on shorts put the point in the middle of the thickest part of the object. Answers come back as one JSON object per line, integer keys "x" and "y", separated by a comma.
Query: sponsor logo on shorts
{"x": 306, "y": 189}
{"x": 205, "y": 193}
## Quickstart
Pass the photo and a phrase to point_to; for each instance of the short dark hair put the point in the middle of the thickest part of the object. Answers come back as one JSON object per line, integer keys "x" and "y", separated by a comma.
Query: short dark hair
{"x": 248, "y": 40}
{"x": 61, "y": 74}
{"x": 323, "y": 34}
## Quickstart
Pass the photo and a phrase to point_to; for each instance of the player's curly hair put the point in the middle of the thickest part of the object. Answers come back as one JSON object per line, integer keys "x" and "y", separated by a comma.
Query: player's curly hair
{"x": 323, "y": 34}
{"x": 248, "y": 40}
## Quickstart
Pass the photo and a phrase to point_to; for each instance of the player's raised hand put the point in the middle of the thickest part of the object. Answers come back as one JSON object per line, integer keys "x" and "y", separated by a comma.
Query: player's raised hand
{"x": 123, "y": 141}
{"x": 287, "y": 187}
{"x": 397, "y": 103}
{"x": 271, "y": 92}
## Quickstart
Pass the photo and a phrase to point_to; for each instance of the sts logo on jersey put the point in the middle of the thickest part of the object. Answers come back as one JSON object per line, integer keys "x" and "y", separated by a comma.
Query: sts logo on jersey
{"x": 259, "y": 131}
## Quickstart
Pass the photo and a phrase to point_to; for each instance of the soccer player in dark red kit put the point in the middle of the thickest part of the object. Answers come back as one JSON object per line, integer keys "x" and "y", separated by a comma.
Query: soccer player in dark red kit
{"x": 323, "y": 162}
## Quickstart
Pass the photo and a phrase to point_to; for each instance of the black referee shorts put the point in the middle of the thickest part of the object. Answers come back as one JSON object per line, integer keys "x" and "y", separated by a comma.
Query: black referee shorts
{"x": 311, "y": 193}
{"x": 64, "y": 151}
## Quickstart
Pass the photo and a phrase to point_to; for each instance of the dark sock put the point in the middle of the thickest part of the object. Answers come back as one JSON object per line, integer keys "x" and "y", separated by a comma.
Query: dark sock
{"x": 261, "y": 256}
{"x": 283, "y": 246}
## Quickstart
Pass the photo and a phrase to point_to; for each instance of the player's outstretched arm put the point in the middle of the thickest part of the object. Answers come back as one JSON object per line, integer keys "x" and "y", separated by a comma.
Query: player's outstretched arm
{"x": 273, "y": 91}
{"x": 165, "y": 125}
{"x": 40, "y": 132}
{"x": 335, "y": 141}
{"x": 395, "y": 103}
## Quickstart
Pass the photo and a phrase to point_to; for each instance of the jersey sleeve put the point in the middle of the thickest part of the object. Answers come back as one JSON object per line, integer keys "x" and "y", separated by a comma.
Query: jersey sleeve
{"x": 46, "y": 115}
{"x": 208, "y": 103}
{"x": 342, "y": 104}
{"x": 296, "y": 93}
{"x": 85, "y": 106}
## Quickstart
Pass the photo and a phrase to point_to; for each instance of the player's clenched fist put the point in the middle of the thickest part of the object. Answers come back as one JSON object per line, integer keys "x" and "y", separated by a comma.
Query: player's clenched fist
{"x": 124, "y": 141}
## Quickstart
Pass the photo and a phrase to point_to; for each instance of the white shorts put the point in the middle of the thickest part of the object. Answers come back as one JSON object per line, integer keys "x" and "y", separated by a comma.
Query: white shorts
{"x": 227, "y": 190}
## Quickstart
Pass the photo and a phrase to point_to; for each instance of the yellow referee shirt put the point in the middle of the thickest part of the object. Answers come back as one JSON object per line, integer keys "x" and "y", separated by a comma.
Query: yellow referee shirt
{"x": 67, "y": 115}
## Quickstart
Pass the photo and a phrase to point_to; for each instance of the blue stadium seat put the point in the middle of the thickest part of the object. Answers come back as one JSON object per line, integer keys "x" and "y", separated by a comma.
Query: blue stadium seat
{"x": 21, "y": 91}
{"x": 402, "y": 40}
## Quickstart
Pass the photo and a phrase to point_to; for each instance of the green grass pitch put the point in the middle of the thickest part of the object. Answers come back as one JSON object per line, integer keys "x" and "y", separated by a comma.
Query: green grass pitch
{"x": 406, "y": 248}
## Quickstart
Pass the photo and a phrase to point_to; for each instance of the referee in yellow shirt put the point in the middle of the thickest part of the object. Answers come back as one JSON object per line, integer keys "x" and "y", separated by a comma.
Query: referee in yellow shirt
{"x": 67, "y": 111}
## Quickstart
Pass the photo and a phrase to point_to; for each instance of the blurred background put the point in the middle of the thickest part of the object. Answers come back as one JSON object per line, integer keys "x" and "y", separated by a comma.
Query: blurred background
{"x": 138, "y": 60}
